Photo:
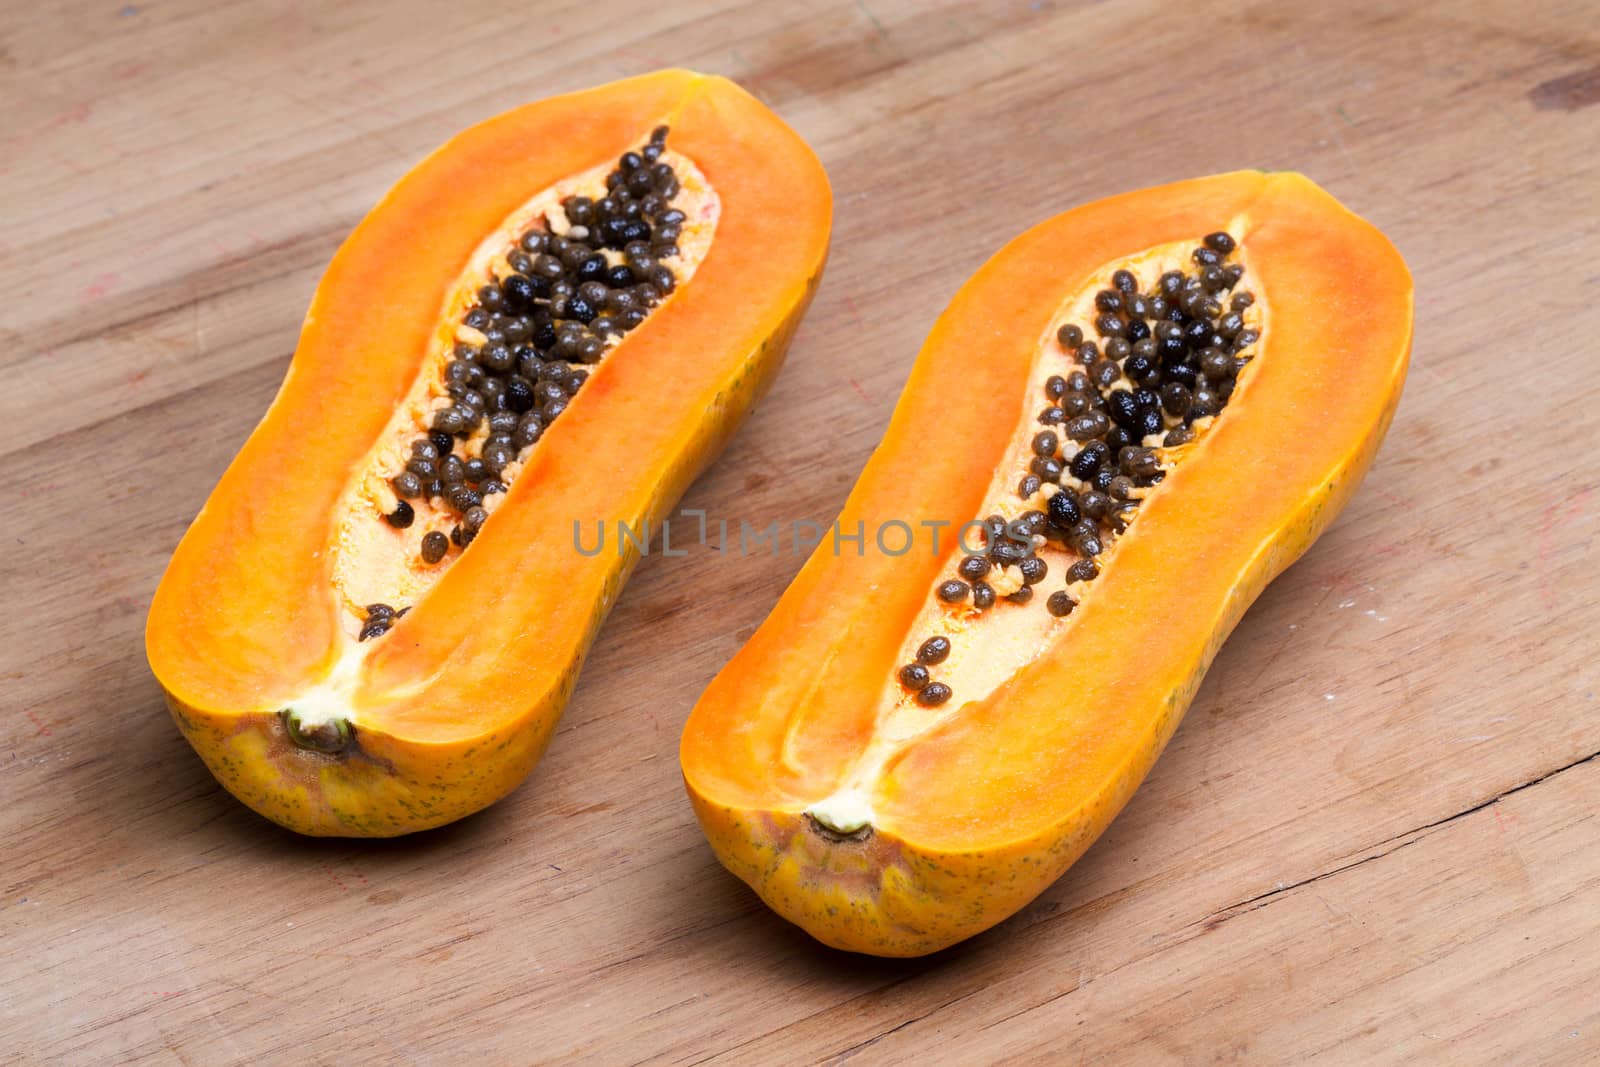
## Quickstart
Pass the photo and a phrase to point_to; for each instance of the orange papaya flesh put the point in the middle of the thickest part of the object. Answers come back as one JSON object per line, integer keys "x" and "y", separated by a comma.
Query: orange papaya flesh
{"x": 327, "y": 671}
{"x": 886, "y": 822}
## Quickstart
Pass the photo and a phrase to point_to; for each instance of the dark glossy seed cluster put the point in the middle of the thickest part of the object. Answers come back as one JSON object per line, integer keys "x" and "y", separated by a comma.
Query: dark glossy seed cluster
{"x": 1158, "y": 360}
{"x": 379, "y": 618}
{"x": 1006, "y": 545}
{"x": 524, "y": 342}
{"x": 919, "y": 679}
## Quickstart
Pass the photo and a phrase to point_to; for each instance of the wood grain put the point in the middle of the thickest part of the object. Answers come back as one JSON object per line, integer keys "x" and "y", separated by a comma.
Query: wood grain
{"x": 1372, "y": 841}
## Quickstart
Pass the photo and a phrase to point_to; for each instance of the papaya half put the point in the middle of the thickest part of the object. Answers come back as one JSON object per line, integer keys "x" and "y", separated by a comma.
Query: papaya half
{"x": 560, "y": 316}
{"x": 1124, "y": 426}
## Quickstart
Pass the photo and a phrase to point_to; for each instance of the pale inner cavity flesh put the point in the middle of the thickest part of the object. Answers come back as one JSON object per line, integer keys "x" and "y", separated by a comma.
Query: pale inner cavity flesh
{"x": 987, "y": 648}
{"x": 372, "y": 561}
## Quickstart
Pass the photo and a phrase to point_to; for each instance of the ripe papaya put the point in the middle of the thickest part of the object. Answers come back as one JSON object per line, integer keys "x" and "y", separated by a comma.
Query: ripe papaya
{"x": 1130, "y": 420}
{"x": 562, "y": 314}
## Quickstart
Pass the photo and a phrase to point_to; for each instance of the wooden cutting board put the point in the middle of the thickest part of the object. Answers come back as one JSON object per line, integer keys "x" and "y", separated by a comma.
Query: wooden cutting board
{"x": 1374, "y": 838}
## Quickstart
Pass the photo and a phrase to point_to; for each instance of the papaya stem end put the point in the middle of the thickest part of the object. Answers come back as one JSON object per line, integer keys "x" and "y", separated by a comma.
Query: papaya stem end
{"x": 330, "y": 737}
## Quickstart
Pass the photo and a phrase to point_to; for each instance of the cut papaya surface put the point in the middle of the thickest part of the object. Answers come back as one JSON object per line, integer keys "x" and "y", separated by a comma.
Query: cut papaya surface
{"x": 557, "y": 318}
{"x": 1124, "y": 425}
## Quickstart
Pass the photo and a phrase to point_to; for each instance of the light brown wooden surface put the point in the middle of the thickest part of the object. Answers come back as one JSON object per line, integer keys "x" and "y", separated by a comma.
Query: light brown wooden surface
{"x": 1373, "y": 839}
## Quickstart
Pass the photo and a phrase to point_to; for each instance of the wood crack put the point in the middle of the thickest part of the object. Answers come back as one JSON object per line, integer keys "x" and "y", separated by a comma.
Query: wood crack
{"x": 1396, "y": 843}
{"x": 861, "y": 1046}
